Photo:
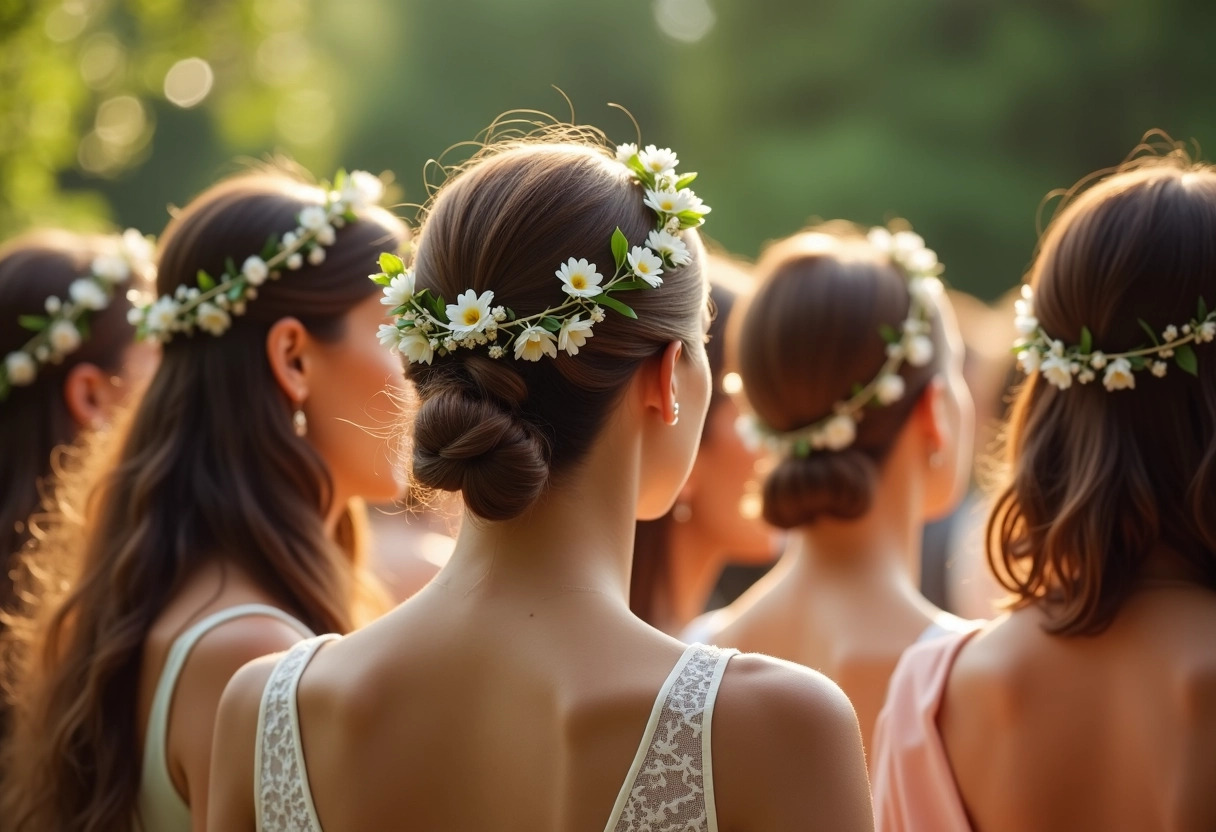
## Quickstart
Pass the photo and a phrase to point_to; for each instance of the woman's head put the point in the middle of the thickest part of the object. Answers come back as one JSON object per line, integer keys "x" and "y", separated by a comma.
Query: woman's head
{"x": 502, "y": 430}
{"x": 1103, "y": 481}
{"x": 815, "y": 333}
{"x": 80, "y": 387}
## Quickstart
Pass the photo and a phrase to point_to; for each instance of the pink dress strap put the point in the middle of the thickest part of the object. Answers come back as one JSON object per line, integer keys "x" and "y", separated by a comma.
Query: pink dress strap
{"x": 914, "y": 788}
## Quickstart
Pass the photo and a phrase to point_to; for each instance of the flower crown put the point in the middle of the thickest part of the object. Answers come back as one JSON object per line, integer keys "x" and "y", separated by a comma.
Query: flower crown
{"x": 65, "y": 325}
{"x": 211, "y": 304}
{"x": 1060, "y": 364}
{"x": 425, "y": 323}
{"x": 910, "y": 343}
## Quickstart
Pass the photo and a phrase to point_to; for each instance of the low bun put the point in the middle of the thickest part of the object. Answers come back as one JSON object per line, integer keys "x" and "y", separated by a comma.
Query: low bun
{"x": 833, "y": 484}
{"x": 474, "y": 444}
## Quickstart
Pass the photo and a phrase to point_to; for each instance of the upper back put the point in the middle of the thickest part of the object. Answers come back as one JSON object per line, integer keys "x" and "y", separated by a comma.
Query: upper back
{"x": 1112, "y": 731}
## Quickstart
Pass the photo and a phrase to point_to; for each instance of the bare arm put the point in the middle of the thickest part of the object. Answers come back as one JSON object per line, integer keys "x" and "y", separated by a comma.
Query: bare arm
{"x": 230, "y": 800}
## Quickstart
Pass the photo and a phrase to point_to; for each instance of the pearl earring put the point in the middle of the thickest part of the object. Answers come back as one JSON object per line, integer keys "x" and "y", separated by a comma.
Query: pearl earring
{"x": 675, "y": 412}
{"x": 300, "y": 422}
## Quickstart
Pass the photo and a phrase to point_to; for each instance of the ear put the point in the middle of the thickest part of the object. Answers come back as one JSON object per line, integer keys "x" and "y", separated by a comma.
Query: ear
{"x": 287, "y": 351}
{"x": 89, "y": 393}
{"x": 931, "y": 414}
{"x": 662, "y": 389}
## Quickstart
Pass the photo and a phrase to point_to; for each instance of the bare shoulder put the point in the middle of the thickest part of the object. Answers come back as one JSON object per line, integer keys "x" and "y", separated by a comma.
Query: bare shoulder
{"x": 787, "y": 750}
{"x": 228, "y": 646}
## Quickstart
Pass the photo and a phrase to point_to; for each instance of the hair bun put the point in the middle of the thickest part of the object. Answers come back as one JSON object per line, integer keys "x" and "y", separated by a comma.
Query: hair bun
{"x": 475, "y": 445}
{"x": 837, "y": 484}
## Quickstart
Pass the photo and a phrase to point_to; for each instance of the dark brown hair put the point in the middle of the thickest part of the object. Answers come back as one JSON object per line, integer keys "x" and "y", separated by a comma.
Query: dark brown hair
{"x": 497, "y": 431}
{"x": 809, "y": 335}
{"x": 650, "y": 578}
{"x": 208, "y": 467}
{"x": 34, "y": 420}
{"x": 1101, "y": 480}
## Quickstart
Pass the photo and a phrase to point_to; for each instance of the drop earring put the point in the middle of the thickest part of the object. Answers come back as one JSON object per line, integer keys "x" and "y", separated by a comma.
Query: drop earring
{"x": 681, "y": 512}
{"x": 299, "y": 422}
{"x": 675, "y": 412}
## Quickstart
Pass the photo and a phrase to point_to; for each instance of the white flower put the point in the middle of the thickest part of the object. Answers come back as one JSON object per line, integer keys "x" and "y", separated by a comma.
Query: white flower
{"x": 597, "y": 314}
{"x": 658, "y": 161}
{"x": 88, "y": 294}
{"x": 212, "y": 319}
{"x": 1085, "y": 376}
{"x": 495, "y": 352}
{"x": 416, "y": 347}
{"x": 574, "y": 334}
{"x": 399, "y": 291}
{"x": 111, "y": 268}
{"x": 1165, "y": 353}
{"x": 289, "y": 240}
{"x": 1057, "y": 347}
{"x": 1057, "y": 371}
{"x": 1206, "y": 332}
{"x": 839, "y": 432}
{"x": 922, "y": 260}
{"x": 926, "y": 290}
{"x": 255, "y": 271}
{"x": 880, "y": 238}
{"x": 362, "y": 190}
{"x": 135, "y": 316}
{"x": 53, "y": 305}
{"x": 890, "y": 389}
{"x": 313, "y": 218}
{"x": 919, "y": 350}
{"x": 580, "y": 278}
{"x": 1097, "y": 360}
{"x": 326, "y": 235}
{"x": 161, "y": 317}
{"x": 669, "y": 246}
{"x": 895, "y": 350}
{"x": 64, "y": 336}
{"x": 669, "y": 202}
{"x": 1026, "y": 324}
{"x": 1159, "y": 368}
{"x": 646, "y": 265}
{"x": 1170, "y": 334}
{"x": 625, "y": 152}
{"x": 449, "y": 343}
{"x": 470, "y": 313}
{"x": 295, "y": 261}
{"x": 21, "y": 369}
{"x": 42, "y": 353}
{"x": 906, "y": 243}
{"x": 317, "y": 256}
{"x": 389, "y": 335}
{"x": 672, "y": 226}
{"x": 1119, "y": 375}
{"x": 535, "y": 342}
{"x": 1029, "y": 360}
{"x": 136, "y": 248}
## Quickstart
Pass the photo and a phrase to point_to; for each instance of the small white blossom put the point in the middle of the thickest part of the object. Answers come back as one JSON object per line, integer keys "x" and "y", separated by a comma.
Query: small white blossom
{"x": 362, "y": 190}
{"x": 449, "y": 343}
{"x": 289, "y": 240}
{"x": 212, "y": 319}
{"x": 495, "y": 352}
{"x": 1026, "y": 324}
{"x": 1159, "y": 368}
{"x": 672, "y": 226}
{"x": 579, "y": 278}
{"x": 136, "y": 249}
{"x": 162, "y": 316}
{"x": 839, "y": 432}
{"x": 1057, "y": 347}
{"x": 317, "y": 256}
{"x": 1086, "y": 376}
{"x": 254, "y": 270}
{"x": 1097, "y": 360}
{"x": 53, "y": 305}
{"x": 1186, "y": 329}
{"x": 64, "y": 336}
{"x": 389, "y": 336}
{"x": 919, "y": 350}
{"x": 313, "y": 218}
{"x": 669, "y": 246}
{"x": 890, "y": 389}
{"x": 470, "y": 313}
{"x": 905, "y": 243}
{"x": 534, "y": 343}
{"x": 574, "y": 334}
{"x": 295, "y": 261}
{"x": 895, "y": 350}
{"x": 1206, "y": 332}
{"x": 625, "y": 152}
{"x": 179, "y": 293}
{"x": 135, "y": 316}
{"x": 1119, "y": 375}
{"x": 646, "y": 265}
{"x": 669, "y": 202}
{"x": 500, "y": 313}
{"x": 658, "y": 161}
{"x": 416, "y": 347}
{"x": 1057, "y": 371}
{"x": 1165, "y": 353}
{"x": 399, "y": 291}
{"x": 1029, "y": 360}
{"x": 880, "y": 239}
{"x": 597, "y": 314}
{"x": 42, "y": 352}
{"x": 326, "y": 235}
{"x": 20, "y": 368}
{"x": 111, "y": 268}
{"x": 1170, "y": 334}
{"x": 87, "y": 293}
{"x": 922, "y": 260}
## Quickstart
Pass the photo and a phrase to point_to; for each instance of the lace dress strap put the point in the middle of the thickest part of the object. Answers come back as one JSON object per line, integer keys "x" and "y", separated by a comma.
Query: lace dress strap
{"x": 669, "y": 787}
{"x": 282, "y": 799}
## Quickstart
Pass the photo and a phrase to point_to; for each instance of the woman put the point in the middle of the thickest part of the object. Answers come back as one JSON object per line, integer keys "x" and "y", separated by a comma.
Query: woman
{"x": 677, "y": 558}
{"x": 1090, "y": 705}
{"x": 223, "y": 529}
{"x": 510, "y": 692}
{"x": 852, "y": 367}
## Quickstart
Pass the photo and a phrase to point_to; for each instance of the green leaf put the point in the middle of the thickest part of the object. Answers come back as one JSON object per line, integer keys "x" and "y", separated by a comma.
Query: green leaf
{"x": 685, "y": 180}
{"x": 888, "y": 333}
{"x": 439, "y": 308}
{"x": 620, "y": 247}
{"x": 34, "y": 323}
{"x": 230, "y": 267}
{"x": 629, "y": 286}
{"x": 690, "y": 219}
{"x": 1087, "y": 340}
{"x": 271, "y": 248}
{"x": 550, "y": 323}
{"x": 510, "y": 313}
{"x": 635, "y": 165}
{"x": 616, "y": 306}
{"x": 1138, "y": 362}
{"x": 391, "y": 264}
{"x": 339, "y": 179}
{"x": 1185, "y": 358}
{"x": 83, "y": 327}
{"x": 380, "y": 279}
{"x": 1149, "y": 330}
{"x": 205, "y": 281}
{"x": 236, "y": 290}
{"x": 1203, "y": 309}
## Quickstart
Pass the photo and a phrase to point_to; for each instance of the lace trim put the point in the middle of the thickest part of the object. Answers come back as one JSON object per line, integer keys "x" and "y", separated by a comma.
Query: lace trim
{"x": 284, "y": 802}
{"x": 669, "y": 790}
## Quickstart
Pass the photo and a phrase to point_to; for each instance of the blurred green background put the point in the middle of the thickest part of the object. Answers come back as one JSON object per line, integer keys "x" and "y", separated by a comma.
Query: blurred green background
{"x": 960, "y": 115}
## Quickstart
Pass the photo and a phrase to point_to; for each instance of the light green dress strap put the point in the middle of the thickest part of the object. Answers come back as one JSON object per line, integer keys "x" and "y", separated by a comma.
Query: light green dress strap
{"x": 161, "y": 808}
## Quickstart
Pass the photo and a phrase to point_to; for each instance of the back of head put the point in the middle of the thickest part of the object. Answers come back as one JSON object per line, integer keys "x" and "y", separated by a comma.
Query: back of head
{"x": 1113, "y": 459}
{"x": 501, "y": 430}
{"x": 809, "y": 339}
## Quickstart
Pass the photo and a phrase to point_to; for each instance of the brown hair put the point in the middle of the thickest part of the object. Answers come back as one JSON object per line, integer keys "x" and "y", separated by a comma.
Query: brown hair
{"x": 1100, "y": 480}
{"x": 651, "y": 575}
{"x": 498, "y": 431}
{"x": 207, "y": 467}
{"x": 36, "y": 418}
{"x": 809, "y": 335}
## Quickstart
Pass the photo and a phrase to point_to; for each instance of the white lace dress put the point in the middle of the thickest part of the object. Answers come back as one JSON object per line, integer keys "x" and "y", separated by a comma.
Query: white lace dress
{"x": 669, "y": 787}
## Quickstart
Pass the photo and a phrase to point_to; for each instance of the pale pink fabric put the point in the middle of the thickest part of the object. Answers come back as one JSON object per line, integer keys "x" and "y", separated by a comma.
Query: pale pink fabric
{"x": 914, "y": 789}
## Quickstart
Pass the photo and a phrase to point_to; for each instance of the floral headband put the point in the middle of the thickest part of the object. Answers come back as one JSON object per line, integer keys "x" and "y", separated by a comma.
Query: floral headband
{"x": 425, "y": 323}
{"x": 211, "y": 304}
{"x": 1060, "y": 364}
{"x": 65, "y": 326}
{"x": 910, "y": 343}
